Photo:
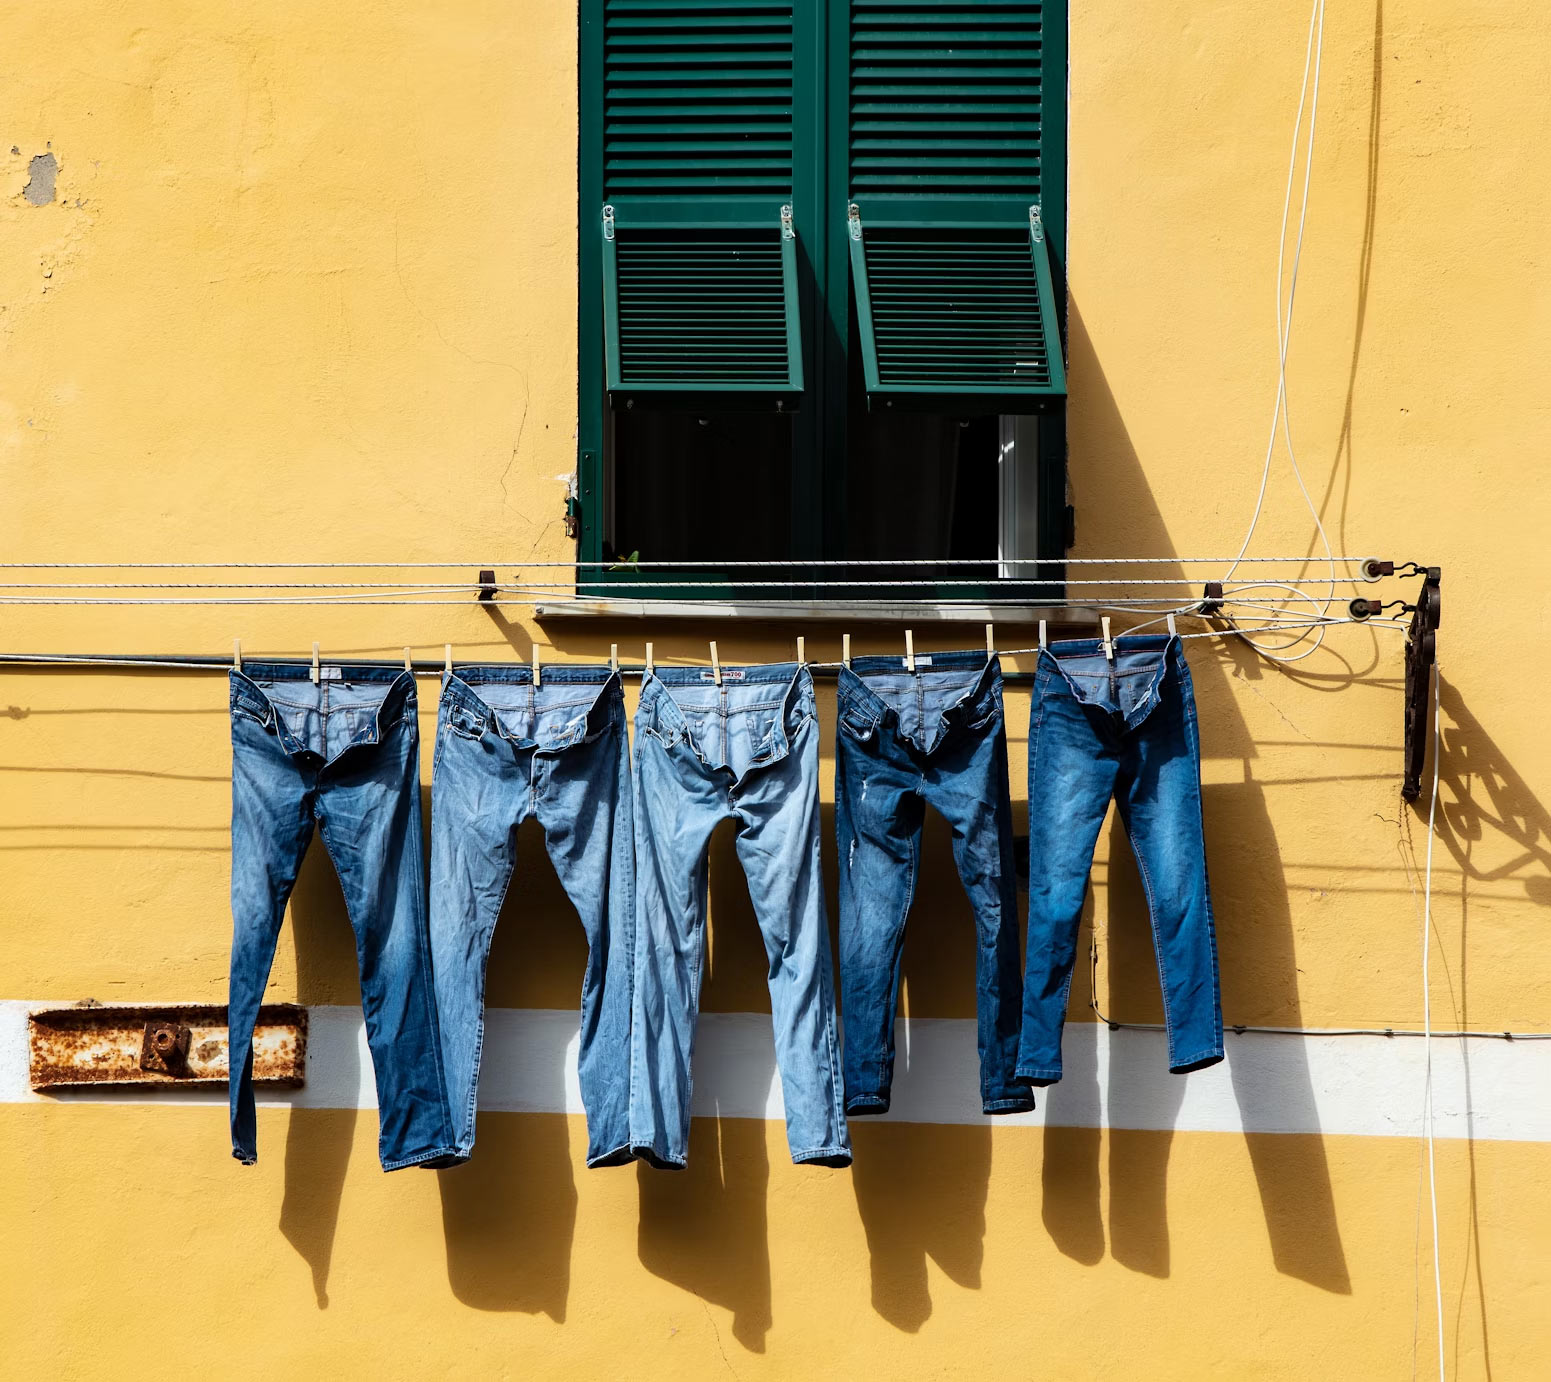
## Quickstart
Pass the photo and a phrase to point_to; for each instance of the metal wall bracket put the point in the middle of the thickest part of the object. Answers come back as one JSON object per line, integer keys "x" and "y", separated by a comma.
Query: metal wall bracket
{"x": 1421, "y": 655}
{"x": 92, "y": 1045}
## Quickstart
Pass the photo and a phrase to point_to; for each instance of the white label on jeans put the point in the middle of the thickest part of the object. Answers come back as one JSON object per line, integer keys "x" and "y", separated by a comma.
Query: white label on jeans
{"x": 331, "y": 673}
{"x": 921, "y": 661}
{"x": 709, "y": 675}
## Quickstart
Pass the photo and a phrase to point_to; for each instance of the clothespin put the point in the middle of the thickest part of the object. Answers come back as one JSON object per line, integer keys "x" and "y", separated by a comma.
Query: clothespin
{"x": 845, "y": 648}
{"x": 315, "y": 670}
{"x": 237, "y": 654}
{"x": 910, "y": 651}
{"x": 538, "y": 674}
{"x": 716, "y": 665}
{"x": 409, "y": 661}
{"x": 990, "y": 641}
{"x": 1173, "y": 628}
{"x": 648, "y": 659}
{"x": 613, "y": 657}
{"x": 802, "y": 654}
{"x": 1109, "y": 643}
{"x": 447, "y": 651}
{"x": 1042, "y": 642}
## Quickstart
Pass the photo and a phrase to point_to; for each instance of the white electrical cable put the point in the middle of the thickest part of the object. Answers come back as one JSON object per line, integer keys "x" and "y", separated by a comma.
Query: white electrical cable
{"x": 1427, "y": 1008}
{"x": 1280, "y": 415}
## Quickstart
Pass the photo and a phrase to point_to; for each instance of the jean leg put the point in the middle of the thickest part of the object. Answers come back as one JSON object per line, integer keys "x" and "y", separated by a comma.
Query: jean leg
{"x": 878, "y": 818}
{"x": 369, "y": 815}
{"x": 778, "y": 844}
{"x": 479, "y": 794}
{"x": 975, "y": 797}
{"x": 1072, "y": 769}
{"x": 677, "y": 806}
{"x": 1159, "y": 797}
{"x": 584, "y": 805}
{"x": 272, "y": 819}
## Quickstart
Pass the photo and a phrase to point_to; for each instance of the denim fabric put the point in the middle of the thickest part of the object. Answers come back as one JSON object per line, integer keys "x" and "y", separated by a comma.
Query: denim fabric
{"x": 905, "y": 739}
{"x": 747, "y": 750}
{"x": 1125, "y": 729}
{"x": 344, "y": 753}
{"x": 505, "y": 751}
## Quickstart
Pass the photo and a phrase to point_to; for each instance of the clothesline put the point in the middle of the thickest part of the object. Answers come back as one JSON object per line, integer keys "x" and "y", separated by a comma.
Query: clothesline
{"x": 673, "y": 565}
{"x": 217, "y": 663}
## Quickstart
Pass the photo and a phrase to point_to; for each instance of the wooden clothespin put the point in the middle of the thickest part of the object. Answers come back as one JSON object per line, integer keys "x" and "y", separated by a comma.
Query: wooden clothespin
{"x": 648, "y": 659}
{"x": 315, "y": 673}
{"x": 802, "y": 650}
{"x": 409, "y": 661}
{"x": 1173, "y": 628}
{"x": 447, "y": 652}
{"x": 1042, "y": 640}
{"x": 1109, "y": 643}
{"x": 716, "y": 664}
{"x": 910, "y": 651}
{"x": 613, "y": 657}
{"x": 990, "y": 641}
{"x": 538, "y": 673}
{"x": 845, "y": 648}
{"x": 237, "y": 654}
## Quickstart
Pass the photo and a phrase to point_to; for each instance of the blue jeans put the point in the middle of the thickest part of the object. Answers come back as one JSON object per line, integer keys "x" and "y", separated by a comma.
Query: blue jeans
{"x": 344, "y": 753}
{"x": 505, "y": 751}
{"x": 1124, "y": 729}
{"x": 905, "y": 739}
{"x": 748, "y": 751}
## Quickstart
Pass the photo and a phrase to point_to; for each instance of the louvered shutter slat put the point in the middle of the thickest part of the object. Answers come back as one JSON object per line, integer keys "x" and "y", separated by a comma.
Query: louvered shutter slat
{"x": 697, "y": 118}
{"x": 955, "y": 298}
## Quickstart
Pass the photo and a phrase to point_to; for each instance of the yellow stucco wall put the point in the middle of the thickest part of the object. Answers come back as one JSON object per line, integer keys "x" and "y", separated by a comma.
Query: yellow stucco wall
{"x": 306, "y": 291}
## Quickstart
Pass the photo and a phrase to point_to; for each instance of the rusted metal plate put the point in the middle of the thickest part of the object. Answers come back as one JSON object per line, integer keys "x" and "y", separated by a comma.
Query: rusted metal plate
{"x": 145, "y": 1044}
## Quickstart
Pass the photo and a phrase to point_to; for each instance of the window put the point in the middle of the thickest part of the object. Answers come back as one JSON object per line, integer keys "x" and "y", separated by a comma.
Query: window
{"x": 821, "y": 287}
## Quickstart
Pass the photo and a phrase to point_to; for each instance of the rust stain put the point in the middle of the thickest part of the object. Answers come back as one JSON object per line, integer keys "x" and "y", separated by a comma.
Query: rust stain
{"x": 144, "y": 1044}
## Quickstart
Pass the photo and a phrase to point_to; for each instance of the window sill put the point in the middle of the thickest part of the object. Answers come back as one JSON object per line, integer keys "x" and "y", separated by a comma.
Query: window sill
{"x": 818, "y": 611}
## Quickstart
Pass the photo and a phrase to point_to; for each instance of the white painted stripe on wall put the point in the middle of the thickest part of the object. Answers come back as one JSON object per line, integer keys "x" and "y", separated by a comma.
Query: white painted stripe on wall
{"x": 1341, "y": 1085}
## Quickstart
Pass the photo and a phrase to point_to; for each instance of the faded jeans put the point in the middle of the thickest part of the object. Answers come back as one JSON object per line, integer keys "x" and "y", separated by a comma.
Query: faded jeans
{"x": 905, "y": 739}
{"x": 344, "y": 754}
{"x": 747, "y": 750}
{"x": 506, "y": 751}
{"x": 1124, "y": 729}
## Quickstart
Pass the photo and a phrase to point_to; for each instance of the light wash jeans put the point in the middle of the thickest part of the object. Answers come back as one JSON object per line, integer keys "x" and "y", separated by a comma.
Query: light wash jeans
{"x": 747, "y": 750}
{"x": 505, "y": 751}
{"x": 344, "y": 754}
{"x": 1124, "y": 729}
{"x": 905, "y": 739}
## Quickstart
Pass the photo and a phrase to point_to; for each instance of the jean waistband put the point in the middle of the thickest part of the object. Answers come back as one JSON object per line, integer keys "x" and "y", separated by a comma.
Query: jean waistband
{"x": 739, "y": 675}
{"x": 302, "y": 671}
{"x": 513, "y": 675}
{"x": 926, "y": 663}
{"x": 1130, "y": 643}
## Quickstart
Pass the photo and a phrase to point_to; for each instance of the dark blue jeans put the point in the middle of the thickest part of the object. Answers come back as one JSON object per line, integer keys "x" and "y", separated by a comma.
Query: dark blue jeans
{"x": 1124, "y": 729}
{"x": 343, "y": 755}
{"x": 905, "y": 739}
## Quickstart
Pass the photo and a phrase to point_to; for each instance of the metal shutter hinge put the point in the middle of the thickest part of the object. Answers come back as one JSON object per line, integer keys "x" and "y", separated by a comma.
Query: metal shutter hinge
{"x": 854, "y": 220}
{"x": 787, "y": 233}
{"x": 608, "y": 222}
{"x": 1037, "y": 224}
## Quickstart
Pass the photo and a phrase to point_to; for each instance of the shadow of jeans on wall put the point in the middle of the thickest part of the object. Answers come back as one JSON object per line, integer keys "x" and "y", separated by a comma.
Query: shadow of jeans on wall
{"x": 706, "y": 1229}
{"x": 921, "y": 1193}
{"x": 318, "y": 1142}
{"x": 509, "y": 1213}
{"x": 921, "y": 1188}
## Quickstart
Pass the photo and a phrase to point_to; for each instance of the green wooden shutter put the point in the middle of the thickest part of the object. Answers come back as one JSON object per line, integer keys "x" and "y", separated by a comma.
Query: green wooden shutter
{"x": 955, "y": 298}
{"x": 699, "y": 255}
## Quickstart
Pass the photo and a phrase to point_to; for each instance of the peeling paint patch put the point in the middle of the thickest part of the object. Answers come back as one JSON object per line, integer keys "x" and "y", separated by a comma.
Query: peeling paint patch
{"x": 42, "y": 170}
